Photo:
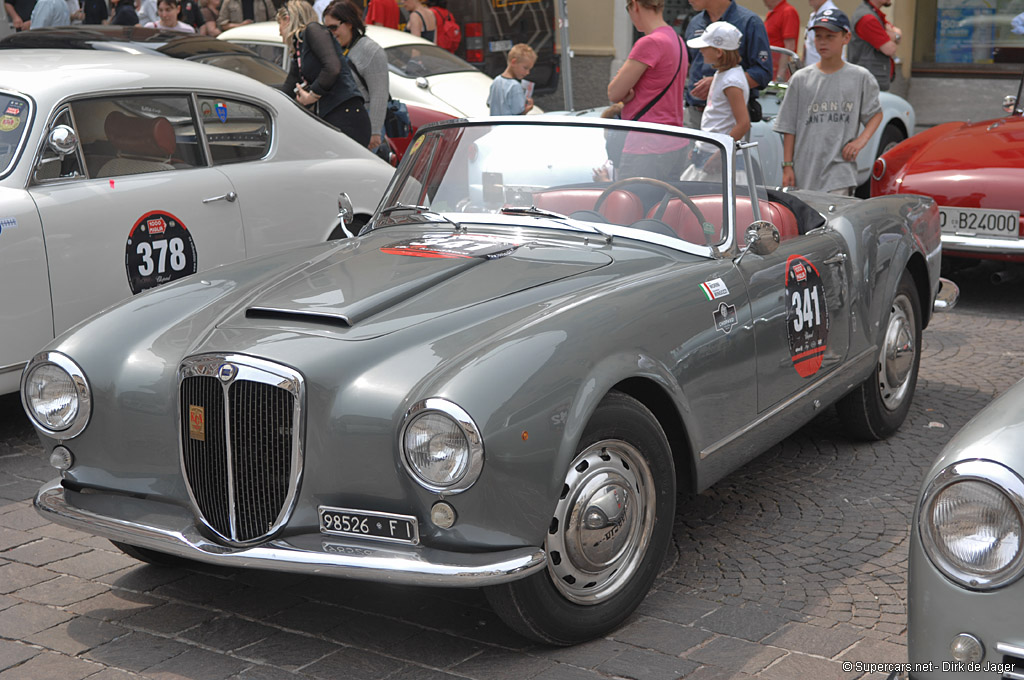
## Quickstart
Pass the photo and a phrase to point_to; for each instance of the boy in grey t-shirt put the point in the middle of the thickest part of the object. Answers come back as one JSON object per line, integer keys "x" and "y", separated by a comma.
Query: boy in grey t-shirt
{"x": 508, "y": 96}
{"x": 825, "y": 105}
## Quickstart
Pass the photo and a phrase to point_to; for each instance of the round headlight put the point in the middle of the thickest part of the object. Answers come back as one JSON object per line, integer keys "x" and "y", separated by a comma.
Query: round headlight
{"x": 55, "y": 395}
{"x": 441, "y": 446}
{"x": 973, "y": 524}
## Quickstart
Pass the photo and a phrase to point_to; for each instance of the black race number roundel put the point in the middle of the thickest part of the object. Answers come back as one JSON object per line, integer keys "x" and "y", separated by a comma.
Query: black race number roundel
{"x": 806, "y": 315}
{"x": 159, "y": 250}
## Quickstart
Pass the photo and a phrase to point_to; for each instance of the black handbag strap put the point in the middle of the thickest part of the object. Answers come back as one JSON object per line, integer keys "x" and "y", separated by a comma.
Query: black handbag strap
{"x": 661, "y": 94}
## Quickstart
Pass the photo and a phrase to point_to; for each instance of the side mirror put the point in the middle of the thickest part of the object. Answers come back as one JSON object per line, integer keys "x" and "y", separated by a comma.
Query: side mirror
{"x": 1010, "y": 104}
{"x": 346, "y": 213}
{"x": 762, "y": 237}
{"x": 62, "y": 140}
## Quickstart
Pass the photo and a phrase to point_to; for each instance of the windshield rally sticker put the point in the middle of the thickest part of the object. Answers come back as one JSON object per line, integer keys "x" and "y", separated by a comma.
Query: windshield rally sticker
{"x": 806, "y": 315}
{"x": 452, "y": 246}
{"x": 714, "y": 289}
{"x": 159, "y": 249}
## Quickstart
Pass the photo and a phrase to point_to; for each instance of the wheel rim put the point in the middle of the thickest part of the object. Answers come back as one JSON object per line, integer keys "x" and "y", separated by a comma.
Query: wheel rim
{"x": 899, "y": 350}
{"x": 602, "y": 523}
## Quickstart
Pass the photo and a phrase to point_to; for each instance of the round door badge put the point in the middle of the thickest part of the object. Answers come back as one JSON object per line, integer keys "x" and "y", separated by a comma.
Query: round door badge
{"x": 806, "y": 315}
{"x": 160, "y": 249}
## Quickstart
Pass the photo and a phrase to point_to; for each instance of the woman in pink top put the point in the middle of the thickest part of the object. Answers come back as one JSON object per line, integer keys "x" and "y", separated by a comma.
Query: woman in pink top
{"x": 650, "y": 84}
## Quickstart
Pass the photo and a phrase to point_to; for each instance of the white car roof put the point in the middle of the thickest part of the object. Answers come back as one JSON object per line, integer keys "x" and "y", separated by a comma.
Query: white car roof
{"x": 268, "y": 31}
{"x": 50, "y": 75}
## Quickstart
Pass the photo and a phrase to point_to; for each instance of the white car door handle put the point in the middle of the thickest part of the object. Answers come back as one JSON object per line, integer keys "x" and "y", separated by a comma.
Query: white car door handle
{"x": 229, "y": 197}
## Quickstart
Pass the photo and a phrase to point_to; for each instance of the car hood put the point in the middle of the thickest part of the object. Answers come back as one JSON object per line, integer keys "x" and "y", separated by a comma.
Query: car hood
{"x": 392, "y": 280}
{"x": 974, "y": 165}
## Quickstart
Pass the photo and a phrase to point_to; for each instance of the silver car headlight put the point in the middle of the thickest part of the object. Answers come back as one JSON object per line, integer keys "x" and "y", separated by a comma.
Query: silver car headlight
{"x": 56, "y": 395}
{"x": 441, "y": 446}
{"x": 972, "y": 524}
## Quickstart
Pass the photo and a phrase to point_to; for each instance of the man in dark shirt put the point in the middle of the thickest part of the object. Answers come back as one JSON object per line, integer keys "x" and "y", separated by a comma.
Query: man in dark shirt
{"x": 754, "y": 49}
{"x": 20, "y": 13}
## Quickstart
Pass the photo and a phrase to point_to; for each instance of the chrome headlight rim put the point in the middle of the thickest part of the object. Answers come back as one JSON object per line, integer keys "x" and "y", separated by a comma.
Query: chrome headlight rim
{"x": 1002, "y": 479}
{"x": 82, "y": 389}
{"x": 475, "y": 463}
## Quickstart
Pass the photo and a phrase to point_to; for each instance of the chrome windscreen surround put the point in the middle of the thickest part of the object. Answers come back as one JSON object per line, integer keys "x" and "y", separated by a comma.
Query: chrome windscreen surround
{"x": 82, "y": 388}
{"x": 242, "y": 461}
{"x": 988, "y": 472}
{"x": 469, "y": 429}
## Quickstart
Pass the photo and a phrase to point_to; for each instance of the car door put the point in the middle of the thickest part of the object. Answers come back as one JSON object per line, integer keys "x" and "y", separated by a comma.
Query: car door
{"x": 145, "y": 209}
{"x": 800, "y": 303}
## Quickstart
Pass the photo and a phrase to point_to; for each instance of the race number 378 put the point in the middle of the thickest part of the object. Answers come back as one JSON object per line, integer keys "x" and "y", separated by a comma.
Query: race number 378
{"x": 159, "y": 249}
{"x": 806, "y": 315}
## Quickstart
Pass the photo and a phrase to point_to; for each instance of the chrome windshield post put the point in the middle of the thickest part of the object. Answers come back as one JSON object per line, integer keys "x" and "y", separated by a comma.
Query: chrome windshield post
{"x": 751, "y": 172}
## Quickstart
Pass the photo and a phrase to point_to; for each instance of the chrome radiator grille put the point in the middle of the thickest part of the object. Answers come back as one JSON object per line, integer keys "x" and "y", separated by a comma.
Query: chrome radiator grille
{"x": 240, "y": 443}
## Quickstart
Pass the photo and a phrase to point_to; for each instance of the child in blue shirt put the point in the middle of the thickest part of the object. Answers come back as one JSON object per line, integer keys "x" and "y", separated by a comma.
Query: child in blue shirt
{"x": 508, "y": 95}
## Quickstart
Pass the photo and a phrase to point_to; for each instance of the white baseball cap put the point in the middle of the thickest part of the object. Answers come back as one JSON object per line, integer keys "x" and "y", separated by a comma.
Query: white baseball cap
{"x": 720, "y": 34}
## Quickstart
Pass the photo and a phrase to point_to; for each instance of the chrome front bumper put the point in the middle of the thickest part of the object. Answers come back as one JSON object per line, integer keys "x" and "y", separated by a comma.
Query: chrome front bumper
{"x": 171, "y": 529}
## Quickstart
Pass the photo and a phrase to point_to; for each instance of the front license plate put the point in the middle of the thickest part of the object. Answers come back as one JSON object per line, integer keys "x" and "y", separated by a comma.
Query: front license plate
{"x": 383, "y": 526}
{"x": 978, "y": 222}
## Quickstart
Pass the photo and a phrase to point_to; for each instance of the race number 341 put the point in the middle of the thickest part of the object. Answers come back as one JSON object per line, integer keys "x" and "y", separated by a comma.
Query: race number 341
{"x": 806, "y": 315}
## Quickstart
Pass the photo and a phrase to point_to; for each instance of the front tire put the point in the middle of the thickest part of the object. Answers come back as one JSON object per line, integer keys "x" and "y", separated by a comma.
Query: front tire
{"x": 879, "y": 405}
{"x": 609, "y": 531}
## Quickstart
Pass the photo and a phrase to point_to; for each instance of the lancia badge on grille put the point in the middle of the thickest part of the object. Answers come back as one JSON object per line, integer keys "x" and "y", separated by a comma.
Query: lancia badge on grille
{"x": 226, "y": 372}
{"x": 196, "y": 423}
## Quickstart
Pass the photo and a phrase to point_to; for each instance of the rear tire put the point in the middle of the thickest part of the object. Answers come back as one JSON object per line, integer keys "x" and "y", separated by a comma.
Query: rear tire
{"x": 609, "y": 532}
{"x": 879, "y": 405}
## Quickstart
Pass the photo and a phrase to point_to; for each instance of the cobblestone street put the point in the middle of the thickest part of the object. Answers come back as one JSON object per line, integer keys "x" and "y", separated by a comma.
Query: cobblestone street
{"x": 787, "y": 569}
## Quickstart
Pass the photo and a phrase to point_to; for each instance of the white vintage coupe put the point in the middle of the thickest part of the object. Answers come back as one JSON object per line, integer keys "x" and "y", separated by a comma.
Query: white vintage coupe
{"x": 120, "y": 172}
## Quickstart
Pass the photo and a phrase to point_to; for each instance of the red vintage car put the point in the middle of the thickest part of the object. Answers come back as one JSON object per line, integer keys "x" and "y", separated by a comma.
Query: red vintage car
{"x": 975, "y": 172}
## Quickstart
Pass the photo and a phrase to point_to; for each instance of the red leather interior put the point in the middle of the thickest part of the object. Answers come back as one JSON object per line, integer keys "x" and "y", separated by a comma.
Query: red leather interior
{"x": 153, "y": 137}
{"x": 682, "y": 219}
{"x": 623, "y": 207}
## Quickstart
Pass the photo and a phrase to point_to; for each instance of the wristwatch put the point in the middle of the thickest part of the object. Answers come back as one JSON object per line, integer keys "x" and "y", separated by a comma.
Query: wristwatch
{"x": 787, "y": 164}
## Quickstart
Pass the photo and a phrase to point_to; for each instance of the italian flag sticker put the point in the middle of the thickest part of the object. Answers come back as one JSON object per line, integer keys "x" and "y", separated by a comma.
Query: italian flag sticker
{"x": 714, "y": 289}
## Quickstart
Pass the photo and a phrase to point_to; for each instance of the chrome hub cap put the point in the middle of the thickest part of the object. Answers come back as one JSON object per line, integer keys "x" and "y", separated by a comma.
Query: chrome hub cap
{"x": 898, "y": 352}
{"x": 603, "y": 522}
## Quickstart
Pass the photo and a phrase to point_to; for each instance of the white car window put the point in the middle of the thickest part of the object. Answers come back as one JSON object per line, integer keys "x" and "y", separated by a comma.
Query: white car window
{"x": 414, "y": 61}
{"x": 235, "y": 131}
{"x": 52, "y": 164}
{"x": 136, "y": 134}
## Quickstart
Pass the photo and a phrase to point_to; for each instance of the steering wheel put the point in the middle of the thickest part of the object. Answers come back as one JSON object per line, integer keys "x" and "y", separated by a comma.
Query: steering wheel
{"x": 669, "y": 192}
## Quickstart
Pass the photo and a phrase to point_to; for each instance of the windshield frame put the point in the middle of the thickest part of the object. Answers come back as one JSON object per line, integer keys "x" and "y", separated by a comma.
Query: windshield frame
{"x": 27, "y": 122}
{"x": 723, "y": 143}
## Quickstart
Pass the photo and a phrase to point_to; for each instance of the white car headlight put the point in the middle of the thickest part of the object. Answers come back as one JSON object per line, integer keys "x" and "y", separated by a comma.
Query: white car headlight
{"x": 972, "y": 524}
{"x": 441, "y": 446}
{"x": 56, "y": 395}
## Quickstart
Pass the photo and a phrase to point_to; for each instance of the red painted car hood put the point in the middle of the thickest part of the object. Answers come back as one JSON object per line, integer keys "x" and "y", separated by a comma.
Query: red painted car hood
{"x": 978, "y": 165}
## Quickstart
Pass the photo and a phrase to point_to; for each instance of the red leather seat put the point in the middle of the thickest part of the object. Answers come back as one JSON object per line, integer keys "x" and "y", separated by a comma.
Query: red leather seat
{"x": 681, "y": 218}
{"x": 620, "y": 207}
{"x": 148, "y": 137}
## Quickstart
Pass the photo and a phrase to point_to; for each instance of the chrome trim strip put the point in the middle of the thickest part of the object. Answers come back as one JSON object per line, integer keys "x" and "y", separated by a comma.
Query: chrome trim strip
{"x": 980, "y": 244}
{"x": 391, "y": 564}
{"x": 840, "y": 374}
{"x": 1012, "y": 650}
{"x": 254, "y": 370}
{"x": 19, "y": 366}
{"x": 84, "y": 411}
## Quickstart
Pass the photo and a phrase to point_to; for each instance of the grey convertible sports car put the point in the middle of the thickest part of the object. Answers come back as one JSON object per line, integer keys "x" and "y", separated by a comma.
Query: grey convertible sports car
{"x": 549, "y": 328}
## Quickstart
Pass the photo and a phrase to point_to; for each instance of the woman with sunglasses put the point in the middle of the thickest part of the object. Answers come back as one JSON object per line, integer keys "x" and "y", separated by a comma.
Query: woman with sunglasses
{"x": 320, "y": 75}
{"x": 367, "y": 59}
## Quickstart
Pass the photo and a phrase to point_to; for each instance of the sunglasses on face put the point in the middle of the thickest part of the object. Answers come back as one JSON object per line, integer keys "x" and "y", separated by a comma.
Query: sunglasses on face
{"x": 332, "y": 27}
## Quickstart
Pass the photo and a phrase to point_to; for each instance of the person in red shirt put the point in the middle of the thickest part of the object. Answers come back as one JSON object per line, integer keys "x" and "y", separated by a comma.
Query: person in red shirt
{"x": 783, "y": 26}
{"x": 383, "y": 13}
{"x": 875, "y": 41}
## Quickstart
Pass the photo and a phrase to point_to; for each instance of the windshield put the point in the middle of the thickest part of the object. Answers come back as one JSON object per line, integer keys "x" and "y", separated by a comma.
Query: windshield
{"x": 656, "y": 185}
{"x": 414, "y": 61}
{"x": 14, "y": 124}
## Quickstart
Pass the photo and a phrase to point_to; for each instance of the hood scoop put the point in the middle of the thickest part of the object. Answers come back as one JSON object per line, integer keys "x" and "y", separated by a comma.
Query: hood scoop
{"x": 330, "y": 297}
